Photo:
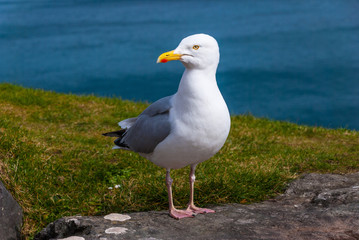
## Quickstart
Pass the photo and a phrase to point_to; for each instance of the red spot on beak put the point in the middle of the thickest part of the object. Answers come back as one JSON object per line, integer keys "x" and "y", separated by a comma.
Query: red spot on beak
{"x": 164, "y": 60}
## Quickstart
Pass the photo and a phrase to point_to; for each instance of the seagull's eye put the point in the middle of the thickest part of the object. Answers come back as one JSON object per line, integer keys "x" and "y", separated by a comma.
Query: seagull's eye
{"x": 195, "y": 47}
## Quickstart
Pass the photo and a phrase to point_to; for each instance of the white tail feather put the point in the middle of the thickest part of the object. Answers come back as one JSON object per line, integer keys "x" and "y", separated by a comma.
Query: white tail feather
{"x": 127, "y": 123}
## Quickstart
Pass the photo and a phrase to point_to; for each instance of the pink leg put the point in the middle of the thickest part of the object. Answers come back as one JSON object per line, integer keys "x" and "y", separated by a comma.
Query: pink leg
{"x": 177, "y": 214}
{"x": 191, "y": 206}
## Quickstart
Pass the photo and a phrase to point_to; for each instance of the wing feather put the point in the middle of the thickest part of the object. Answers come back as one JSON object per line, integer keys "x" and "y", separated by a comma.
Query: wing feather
{"x": 144, "y": 133}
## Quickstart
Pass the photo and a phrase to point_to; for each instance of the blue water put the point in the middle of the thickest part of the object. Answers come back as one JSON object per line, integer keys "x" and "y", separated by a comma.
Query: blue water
{"x": 288, "y": 60}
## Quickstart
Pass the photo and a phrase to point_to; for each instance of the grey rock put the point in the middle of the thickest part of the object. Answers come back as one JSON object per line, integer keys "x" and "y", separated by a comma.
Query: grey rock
{"x": 10, "y": 216}
{"x": 337, "y": 196}
{"x": 65, "y": 227}
{"x": 313, "y": 207}
{"x": 311, "y": 184}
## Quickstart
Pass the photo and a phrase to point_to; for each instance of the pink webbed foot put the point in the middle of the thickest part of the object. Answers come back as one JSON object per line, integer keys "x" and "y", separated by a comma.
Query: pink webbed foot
{"x": 178, "y": 214}
{"x": 197, "y": 210}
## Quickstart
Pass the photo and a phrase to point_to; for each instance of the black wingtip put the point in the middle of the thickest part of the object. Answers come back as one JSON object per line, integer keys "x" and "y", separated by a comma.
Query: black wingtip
{"x": 119, "y": 133}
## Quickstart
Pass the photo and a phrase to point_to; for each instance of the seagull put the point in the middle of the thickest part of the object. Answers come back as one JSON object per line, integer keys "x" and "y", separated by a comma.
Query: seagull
{"x": 186, "y": 128}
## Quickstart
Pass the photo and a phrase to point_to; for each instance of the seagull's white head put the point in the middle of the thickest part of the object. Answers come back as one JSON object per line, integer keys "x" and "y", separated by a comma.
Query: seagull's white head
{"x": 199, "y": 51}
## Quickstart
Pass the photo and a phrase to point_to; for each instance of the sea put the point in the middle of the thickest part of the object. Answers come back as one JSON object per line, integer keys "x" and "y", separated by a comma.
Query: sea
{"x": 289, "y": 60}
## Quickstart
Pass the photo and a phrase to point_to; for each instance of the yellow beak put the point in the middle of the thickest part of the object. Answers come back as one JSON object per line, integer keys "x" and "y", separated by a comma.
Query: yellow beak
{"x": 168, "y": 56}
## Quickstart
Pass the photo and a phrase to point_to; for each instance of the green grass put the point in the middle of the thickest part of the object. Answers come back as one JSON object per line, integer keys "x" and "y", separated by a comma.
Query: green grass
{"x": 56, "y": 163}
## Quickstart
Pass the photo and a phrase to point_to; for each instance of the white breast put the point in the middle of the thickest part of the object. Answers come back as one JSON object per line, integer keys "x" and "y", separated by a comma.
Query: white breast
{"x": 200, "y": 126}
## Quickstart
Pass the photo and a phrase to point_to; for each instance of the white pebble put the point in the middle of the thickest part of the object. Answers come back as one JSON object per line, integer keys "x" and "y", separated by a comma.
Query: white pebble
{"x": 72, "y": 238}
{"x": 116, "y": 230}
{"x": 117, "y": 217}
{"x": 355, "y": 187}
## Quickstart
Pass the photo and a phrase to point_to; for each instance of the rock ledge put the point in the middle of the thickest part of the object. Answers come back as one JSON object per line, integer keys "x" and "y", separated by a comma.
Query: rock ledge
{"x": 316, "y": 206}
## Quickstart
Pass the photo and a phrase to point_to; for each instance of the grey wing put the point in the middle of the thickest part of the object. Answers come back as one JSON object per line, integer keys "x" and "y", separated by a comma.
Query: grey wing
{"x": 160, "y": 106}
{"x": 151, "y": 127}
